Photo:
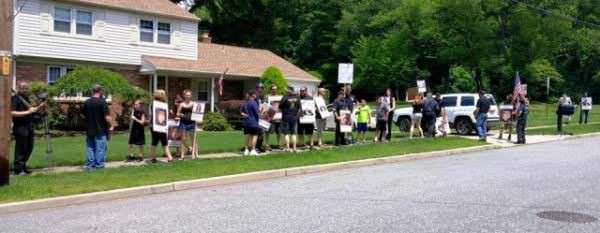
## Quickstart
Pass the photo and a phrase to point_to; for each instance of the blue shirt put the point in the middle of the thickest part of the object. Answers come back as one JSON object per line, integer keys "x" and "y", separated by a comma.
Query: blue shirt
{"x": 250, "y": 108}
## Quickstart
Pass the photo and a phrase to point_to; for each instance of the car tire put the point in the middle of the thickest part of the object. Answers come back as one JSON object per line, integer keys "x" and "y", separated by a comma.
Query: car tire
{"x": 463, "y": 126}
{"x": 404, "y": 124}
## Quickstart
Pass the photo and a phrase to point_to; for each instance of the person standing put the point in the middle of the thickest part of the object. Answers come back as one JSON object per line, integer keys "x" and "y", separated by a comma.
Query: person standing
{"x": 22, "y": 118}
{"x": 390, "y": 100}
{"x": 98, "y": 122}
{"x": 381, "y": 115}
{"x": 350, "y": 103}
{"x": 321, "y": 122}
{"x": 481, "y": 114}
{"x": 275, "y": 128}
{"x": 562, "y": 102}
{"x": 159, "y": 137}
{"x": 260, "y": 100}
{"x": 363, "y": 119}
{"x": 522, "y": 113}
{"x": 430, "y": 111}
{"x": 137, "y": 136}
{"x": 186, "y": 127}
{"x": 417, "y": 116}
{"x": 306, "y": 130}
{"x": 290, "y": 112}
{"x": 507, "y": 124}
{"x": 250, "y": 116}
{"x": 338, "y": 105}
{"x": 586, "y": 105}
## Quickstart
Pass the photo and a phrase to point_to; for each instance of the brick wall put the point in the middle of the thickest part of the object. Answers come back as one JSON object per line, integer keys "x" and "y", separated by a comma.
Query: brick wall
{"x": 176, "y": 86}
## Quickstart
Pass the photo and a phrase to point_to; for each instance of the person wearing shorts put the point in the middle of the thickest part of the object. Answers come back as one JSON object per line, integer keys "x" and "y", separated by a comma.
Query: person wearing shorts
{"x": 321, "y": 123}
{"x": 363, "y": 117}
{"x": 250, "y": 115}
{"x": 382, "y": 118}
{"x": 159, "y": 137}
{"x": 306, "y": 130}
{"x": 290, "y": 112}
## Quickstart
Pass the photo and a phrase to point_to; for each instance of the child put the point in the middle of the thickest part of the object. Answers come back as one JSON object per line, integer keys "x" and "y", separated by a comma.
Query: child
{"x": 363, "y": 119}
{"x": 159, "y": 95}
{"x": 382, "y": 118}
{"x": 136, "y": 132}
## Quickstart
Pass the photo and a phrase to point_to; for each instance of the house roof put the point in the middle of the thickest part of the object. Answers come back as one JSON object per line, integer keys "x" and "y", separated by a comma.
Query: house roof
{"x": 240, "y": 61}
{"x": 159, "y": 7}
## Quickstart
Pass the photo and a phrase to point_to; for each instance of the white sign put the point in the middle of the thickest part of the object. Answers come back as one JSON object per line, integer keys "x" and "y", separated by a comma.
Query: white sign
{"x": 274, "y": 101}
{"x": 422, "y": 85}
{"x": 309, "y": 114}
{"x": 198, "y": 111}
{"x": 322, "y": 107}
{"x": 346, "y": 121}
{"x": 586, "y": 103}
{"x": 175, "y": 135}
{"x": 160, "y": 116}
{"x": 264, "y": 124}
{"x": 345, "y": 73}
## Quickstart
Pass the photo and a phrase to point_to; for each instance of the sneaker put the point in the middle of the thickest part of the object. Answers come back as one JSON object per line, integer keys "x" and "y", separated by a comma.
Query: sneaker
{"x": 153, "y": 161}
{"x": 253, "y": 153}
{"x": 129, "y": 158}
{"x": 140, "y": 159}
{"x": 246, "y": 152}
{"x": 23, "y": 173}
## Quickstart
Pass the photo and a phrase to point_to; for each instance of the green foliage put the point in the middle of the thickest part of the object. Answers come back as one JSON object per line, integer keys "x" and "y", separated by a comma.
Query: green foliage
{"x": 84, "y": 77}
{"x": 214, "y": 121}
{"x": 462, "y": 80}
{"x": 272, "y": 76}
{"x": 38, "y": 87}
{"x": 536, "y": 74}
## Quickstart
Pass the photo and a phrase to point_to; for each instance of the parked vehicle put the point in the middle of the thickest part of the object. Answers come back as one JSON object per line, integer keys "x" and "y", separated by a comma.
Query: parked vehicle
{"x": 460, "y": 108}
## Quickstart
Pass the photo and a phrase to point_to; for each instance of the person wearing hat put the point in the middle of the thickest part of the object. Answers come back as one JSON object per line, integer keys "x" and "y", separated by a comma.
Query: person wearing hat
{"x": 290, "y": 112}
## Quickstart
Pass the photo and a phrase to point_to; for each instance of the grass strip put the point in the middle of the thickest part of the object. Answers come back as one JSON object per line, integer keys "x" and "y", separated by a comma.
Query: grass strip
{"x": 572, "y": 129}
{"x": 61, "y": 184}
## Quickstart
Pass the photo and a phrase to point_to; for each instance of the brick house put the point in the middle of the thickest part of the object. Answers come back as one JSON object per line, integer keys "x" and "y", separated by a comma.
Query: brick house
{"x": 154, "y": 44}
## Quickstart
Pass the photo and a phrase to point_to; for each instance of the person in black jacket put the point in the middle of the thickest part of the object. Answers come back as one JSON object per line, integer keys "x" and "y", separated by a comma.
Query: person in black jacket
{"x": 22, "y": 129}
{"x": 430, "y": 110}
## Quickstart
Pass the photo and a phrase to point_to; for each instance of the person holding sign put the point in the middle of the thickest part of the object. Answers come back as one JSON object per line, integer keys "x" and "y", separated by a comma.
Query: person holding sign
{"x": 322, "y": 115}
{"x": 586, "y": 106}
{"x": 290, "y": 110}
{"x": 339, "y": 105}
{"x": 158, "y": 128}
{"x": 307, "y": 118}
{"x": 274, "y": 114}
{"x": 136, "y": 132}
{"x": 186, "y": 126}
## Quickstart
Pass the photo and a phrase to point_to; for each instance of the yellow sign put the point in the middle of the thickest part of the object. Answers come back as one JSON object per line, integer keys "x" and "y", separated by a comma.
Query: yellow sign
{"x": 6, "y": 64}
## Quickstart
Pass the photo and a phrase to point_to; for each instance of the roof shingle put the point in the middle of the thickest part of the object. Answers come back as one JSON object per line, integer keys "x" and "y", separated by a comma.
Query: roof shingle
{"x": 215, "y": 58}
{"x": 159, "y": 7}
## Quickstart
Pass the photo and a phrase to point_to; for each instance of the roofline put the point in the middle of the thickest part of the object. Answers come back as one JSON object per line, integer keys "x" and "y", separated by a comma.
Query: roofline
{"x": 158, "y": 69}
{"x": 194, "y": 18}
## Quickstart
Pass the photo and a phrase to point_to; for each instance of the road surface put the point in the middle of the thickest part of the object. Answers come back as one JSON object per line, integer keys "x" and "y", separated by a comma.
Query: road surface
{"x": 492, "y": 191}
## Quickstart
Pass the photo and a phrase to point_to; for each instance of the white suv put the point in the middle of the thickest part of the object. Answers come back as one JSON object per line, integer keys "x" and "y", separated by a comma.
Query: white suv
{"x": 460, "y": 108}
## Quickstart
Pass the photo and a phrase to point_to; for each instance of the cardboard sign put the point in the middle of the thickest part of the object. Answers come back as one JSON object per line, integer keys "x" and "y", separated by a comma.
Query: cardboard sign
{"x": 411, "y": 94}
{"x": 309, "y": 115}
{"x": 421, "y": 86}
{"x": 175, "y": 135}
{"x": 198, "y": 111}
{"x": 506, "y": 113}
{"x": 264, "y": 124}
{"x": 274, "y": 101}
{"x": 322, "y": 107}
{"x": 346, "y": 122}
{"x": 345, "y": 73}
{"x": 586, "y": 103}
{"x": 160, "y": 116}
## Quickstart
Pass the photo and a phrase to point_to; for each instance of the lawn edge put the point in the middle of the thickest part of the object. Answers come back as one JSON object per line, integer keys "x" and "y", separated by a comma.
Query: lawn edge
{"x": 80, "y": 199}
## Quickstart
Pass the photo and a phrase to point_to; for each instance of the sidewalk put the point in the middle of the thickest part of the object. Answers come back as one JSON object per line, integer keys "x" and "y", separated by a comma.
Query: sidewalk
{"x": 531, "y": 139}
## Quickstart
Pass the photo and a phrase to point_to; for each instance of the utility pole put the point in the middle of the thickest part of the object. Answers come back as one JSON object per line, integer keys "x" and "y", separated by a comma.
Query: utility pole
{"x": 6, "y": 48}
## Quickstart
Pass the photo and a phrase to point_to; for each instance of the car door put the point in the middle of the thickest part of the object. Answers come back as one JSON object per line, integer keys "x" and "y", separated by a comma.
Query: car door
{"x": 450, "y": 103}
{"x": 467, "y": 105}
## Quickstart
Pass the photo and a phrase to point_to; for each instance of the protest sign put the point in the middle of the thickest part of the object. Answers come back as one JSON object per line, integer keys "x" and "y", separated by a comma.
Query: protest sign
{"x": 160, "y": 116}
{"x": 308, "y": 112}
{"x": 198, "y": 111}
{"x": 322, "y": 107}
{"x": 345, "y": 73}
{"x": 346, "y": 122}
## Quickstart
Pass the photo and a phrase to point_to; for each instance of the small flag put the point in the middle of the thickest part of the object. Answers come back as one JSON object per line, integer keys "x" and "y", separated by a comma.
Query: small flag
{"x": 517, "y": 91}
{"x": 220, "y": 82}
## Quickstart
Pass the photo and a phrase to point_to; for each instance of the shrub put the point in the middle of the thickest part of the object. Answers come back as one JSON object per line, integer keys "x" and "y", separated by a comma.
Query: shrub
{"x": 462, "y": 81}
{"x": 273, "y": 77}
{"x": 214, "y": 121}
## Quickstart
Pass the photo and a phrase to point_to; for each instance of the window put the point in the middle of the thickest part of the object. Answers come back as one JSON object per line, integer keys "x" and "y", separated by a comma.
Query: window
{"x": 467, "y": 101}
{"x": 62, "y": 19}
{"x": 147, "y": 31}
{"x": 164, "y": 33}
{"x": 55, "y": 72}
{"x": 203, "y": 90}
{"x": 449, "y": 102}
{"x": 84, "y": 22}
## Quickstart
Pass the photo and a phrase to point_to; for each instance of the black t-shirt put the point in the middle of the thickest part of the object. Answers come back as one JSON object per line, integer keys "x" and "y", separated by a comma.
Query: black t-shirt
{"x": 138, "y": 114}
{"x": 95, "y": 111}
{"x": 483, "y": 104}
{"x": 350, "y": 100}
{"x": 16, "y": 104}
{"x": 290, "y": 107}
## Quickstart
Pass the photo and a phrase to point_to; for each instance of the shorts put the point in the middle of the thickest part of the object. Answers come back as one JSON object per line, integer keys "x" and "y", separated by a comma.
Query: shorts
{"x": 289, "y": 127}
{"x": 306, "y": 129}
{"x": 275, "y": 128}
{"x": 159, "y": 137}
{"x": 362, "y": 127}
{"x": 321, "y": 124}
{"x": 251, "y": 130}
{"x": 382, "y": 125}
{"x": 187, "y": 127}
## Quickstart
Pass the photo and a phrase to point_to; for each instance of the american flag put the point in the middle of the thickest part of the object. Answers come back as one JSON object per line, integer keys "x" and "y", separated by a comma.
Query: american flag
{"x": 220, "y": 82}
{"x": 517, "y": 91}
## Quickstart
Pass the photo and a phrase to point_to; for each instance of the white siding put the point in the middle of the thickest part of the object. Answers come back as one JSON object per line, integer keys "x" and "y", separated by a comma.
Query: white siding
{"x": 115, "y": 36}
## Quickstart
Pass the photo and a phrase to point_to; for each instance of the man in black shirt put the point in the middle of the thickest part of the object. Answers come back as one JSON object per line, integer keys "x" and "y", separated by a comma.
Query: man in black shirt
{"x": 21, "y": 112}
{"x": 338, "y": 105}
{"x": 290, "y": 113}
{"x": 483, "y": 107}
{"x": 96, "y": 113}
{"x": 430, "y": 109}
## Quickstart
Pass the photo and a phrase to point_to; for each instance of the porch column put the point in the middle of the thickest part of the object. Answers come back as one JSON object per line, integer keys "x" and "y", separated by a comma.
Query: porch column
{"x": 167, "y": 86}
{"x": 212, "y": 94}
{"x": 154, "y": 82}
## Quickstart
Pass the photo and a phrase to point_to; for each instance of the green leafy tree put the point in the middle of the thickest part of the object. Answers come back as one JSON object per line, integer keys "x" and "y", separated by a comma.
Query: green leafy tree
{"x": 272, "y": 76}
{"x": 535, "y": 77}
{"x": 462, "y": 80}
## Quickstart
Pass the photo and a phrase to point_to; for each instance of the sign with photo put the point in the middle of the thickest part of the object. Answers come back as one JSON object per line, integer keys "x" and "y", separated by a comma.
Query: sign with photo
{"x": 506, "y": 113}
{"x": 264, "y": 124}
{"x": 586, "y": 103}
{"x": 175, "y": 135}
{"x": 309, "y": 114}
{"x": 411, "y": 94}
{"x": 346, "y": 122}
{"x": 160, "y": 116}
{"x": 345, "y": 73}
{"x": 322, "y": 107}
{"x": 422, "y": 86}
{"x": 274, "y": 101}
{"x": 198, "y": 111}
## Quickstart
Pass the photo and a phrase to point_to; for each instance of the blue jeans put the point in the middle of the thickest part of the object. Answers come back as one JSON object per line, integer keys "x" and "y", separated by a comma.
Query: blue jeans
{"x": 481, "y": 125}
{"x": 95, "y": 151}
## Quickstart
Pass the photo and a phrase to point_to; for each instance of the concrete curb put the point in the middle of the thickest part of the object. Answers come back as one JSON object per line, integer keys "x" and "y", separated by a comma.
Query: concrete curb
{"x": 222, "y": 180}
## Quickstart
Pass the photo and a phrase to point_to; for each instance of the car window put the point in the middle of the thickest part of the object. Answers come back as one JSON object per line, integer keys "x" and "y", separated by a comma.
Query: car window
{"x": 449, "y": 101}
{"x": 467, "y": 101}
{"x": 491, "y": 98}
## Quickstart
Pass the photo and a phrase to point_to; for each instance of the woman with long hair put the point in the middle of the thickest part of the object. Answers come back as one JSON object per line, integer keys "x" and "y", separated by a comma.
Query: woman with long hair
{"x": 186, "y": 126}
{"x": 159, "y": 95}
{"x": 417, "y": 116}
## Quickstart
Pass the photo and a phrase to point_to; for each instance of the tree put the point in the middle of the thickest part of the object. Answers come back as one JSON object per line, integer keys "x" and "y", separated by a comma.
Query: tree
{"x": 535, "y": 77}
{"x": 272, "y": 76}
{"x": 461, "y": 79}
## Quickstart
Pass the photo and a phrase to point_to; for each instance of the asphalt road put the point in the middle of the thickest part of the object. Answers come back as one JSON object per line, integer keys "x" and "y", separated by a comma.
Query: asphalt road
{"x": 491, "y": 191}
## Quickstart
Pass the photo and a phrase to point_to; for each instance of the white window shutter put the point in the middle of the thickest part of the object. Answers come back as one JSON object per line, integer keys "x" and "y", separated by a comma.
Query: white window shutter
{"x": 177, "y": 35}
{"x": 133, "y": 24}
{"x": 45, "y": 17}
{"x": 100, "y": 24}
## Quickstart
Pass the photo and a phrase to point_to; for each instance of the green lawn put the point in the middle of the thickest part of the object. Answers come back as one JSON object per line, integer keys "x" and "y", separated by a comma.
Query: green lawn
{"x": 573, "y": 128}
{"x": 71, "y": 150}
{"x": 538, "y": 116}
{"x": 53, "y": 185}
